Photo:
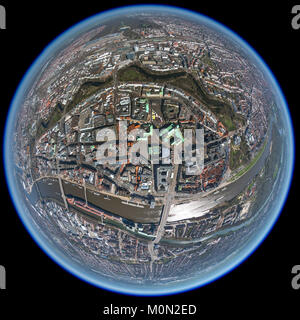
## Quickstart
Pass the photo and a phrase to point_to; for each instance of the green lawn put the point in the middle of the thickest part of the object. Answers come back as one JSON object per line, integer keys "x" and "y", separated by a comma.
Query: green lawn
{"x": 251, "y": 164}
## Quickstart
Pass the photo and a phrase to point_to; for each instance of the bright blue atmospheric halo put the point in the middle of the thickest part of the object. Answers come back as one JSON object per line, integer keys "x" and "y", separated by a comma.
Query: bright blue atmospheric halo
{"x": 20, "y": 205}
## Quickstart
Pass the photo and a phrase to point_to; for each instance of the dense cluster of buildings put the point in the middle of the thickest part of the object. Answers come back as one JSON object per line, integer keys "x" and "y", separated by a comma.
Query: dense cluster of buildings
{"x": 108, "y": 250}
{"x": 61, "y": 134}
{"x": 70, "y": 147}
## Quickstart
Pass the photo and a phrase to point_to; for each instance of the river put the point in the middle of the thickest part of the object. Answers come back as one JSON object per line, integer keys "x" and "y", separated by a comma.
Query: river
{"x": 49, "y": 189}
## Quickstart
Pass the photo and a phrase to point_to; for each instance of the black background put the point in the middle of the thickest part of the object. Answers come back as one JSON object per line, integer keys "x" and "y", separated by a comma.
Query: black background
{"x": 260, "y": 286}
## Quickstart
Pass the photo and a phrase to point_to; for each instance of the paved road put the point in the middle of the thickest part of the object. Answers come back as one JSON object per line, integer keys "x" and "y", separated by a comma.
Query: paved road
{"x": 169, "y": 199}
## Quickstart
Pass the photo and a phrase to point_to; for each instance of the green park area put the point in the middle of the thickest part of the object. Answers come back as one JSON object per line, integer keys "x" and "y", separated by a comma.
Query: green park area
{"x": 186, "y": 82}
{"x": 251, "y": 163}
{"x": 86, "y": 90}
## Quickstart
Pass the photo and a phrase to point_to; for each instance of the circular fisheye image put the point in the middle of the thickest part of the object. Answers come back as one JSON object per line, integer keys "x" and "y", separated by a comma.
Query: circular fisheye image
{"x": 148, "y": 150}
